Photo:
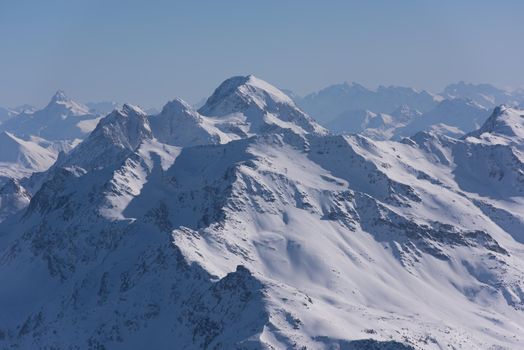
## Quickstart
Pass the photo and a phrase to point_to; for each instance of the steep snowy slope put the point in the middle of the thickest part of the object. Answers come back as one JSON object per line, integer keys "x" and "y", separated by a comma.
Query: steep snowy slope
{"x": 19, "y": 158}
{"x": 488, "y": 165}
{"x": 115, "y": 137}
{"x": 362, "y": 236}
{"x": 493, "y": 156}
{"x": 506, "y": 124}
{"x": 179, "y": 125}
{"x": 285, "y": 238}
{"x": 61, "y": 119}
{"x": 244, "y": 106}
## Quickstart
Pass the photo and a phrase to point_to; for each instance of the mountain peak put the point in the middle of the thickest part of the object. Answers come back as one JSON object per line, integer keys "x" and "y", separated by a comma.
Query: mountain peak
{"x": 120, "y": 132}
{"x": 240, "y": 92}
{"x": 129, "y": 109}
{"x": 59, "y": 95}
{"x": 64, "y": 106}
{"x": 255, "y": 106}
{"x": 505, "y": 121}
{"x": 177, "y": 105}
{"x": 126, "y": 127}
{"x": 274, "y": 92}
{"x": 180, "y": 125}
{"x": 127, "y": 123}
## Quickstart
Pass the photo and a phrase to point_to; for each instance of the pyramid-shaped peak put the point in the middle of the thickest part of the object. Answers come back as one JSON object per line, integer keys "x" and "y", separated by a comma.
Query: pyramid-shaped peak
{"x": 61, "y": 104}
{"x": 59, "y": 95}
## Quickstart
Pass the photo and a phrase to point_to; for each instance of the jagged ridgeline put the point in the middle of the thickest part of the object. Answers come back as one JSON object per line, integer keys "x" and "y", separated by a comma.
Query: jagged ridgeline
{"x": 247, "y": 225}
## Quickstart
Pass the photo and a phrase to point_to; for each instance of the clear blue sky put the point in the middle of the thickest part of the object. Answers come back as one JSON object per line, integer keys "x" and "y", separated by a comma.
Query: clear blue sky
{"x": 148, "y": 52}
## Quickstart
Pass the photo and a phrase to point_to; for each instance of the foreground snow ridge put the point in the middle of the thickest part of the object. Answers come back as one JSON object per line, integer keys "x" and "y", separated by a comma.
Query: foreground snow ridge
{"x": 246, "y": 225}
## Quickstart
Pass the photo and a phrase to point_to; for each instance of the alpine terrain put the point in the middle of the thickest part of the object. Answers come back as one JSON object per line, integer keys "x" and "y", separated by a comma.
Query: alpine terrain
{"x": 247, "y": 225}
{"x": 391, "y": 113}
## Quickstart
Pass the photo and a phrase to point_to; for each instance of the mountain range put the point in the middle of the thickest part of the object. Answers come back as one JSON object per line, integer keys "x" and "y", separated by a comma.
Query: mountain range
{"x": 460, "y": 108}
{"x": 392, "y": 112}
{"x": 246, "y": 224}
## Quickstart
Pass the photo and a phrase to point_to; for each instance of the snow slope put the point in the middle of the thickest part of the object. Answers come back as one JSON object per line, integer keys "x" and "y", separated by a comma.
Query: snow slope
{"x": 245, "y": 106}
{"x": 179, "y": 125}
{"x": 20, "y": 158}
{"x": 264, "y": 231}
{"x": 505, "y": 123}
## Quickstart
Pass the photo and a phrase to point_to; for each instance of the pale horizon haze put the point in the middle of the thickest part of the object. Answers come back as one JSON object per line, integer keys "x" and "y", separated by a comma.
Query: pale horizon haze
{"x": 148, "y": 52}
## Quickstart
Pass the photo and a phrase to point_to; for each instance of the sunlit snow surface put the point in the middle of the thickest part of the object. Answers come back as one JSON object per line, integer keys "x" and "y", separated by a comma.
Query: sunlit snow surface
{"x": 252, "y": 227}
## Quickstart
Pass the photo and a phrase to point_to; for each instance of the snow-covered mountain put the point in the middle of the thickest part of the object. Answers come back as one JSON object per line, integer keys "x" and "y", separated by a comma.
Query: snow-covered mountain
{"x": 454, "y": 117}
{"x": 13, "y": 198}
{"x": 485, "y": 95}
{"x": 245, "y": 225}
{"x": 20, "y": 158}
{"x": 459, "y": 109}
{"x": 61, "y": 119}
{"x": 329, "y": 103}
{"x": 179, "y": 125}
{"x": 245, "y": 106}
